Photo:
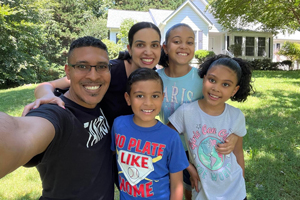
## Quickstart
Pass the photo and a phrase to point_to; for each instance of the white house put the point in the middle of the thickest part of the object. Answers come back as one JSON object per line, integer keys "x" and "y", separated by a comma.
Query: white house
{"x": 209, "y": 34}
{"x": 279, "y": 40}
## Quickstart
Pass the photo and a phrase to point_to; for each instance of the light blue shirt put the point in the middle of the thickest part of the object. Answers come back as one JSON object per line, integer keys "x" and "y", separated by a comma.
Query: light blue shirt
{"x": 179, "y": 90}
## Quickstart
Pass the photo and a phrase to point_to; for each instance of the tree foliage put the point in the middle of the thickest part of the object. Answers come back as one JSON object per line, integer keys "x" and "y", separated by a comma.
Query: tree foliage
{"x": 145, "y": 5}
{"x": 270, "y": 15}
{"x": 35, "y": 34}
{"x": 20, "y": 43}
{"x": 291, "y": 50}
{"x": 113, "y": 48}
{"x": 125, "y": 26}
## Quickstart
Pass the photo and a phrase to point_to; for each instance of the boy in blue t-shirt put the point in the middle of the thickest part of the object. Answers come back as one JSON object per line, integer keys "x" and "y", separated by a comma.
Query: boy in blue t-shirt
{"x": 150, "y": 155}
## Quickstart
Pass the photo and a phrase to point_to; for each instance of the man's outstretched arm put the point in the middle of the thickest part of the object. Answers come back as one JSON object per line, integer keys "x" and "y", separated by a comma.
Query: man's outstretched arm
{"x": 21, "y": 138}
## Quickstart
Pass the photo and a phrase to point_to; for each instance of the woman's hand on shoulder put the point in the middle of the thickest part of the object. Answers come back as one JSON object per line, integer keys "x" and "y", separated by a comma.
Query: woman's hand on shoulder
{"x": 44, "y": 100}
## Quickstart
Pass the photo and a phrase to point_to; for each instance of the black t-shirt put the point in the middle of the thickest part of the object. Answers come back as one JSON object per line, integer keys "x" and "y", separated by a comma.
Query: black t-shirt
{"x": 78, "y": 162}
{"x": 113, "y": 103}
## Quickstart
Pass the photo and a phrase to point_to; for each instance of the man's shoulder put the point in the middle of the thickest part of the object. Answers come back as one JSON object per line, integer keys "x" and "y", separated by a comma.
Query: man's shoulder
{"x": 45, "y": 108}
{"x": 51, "y": 112}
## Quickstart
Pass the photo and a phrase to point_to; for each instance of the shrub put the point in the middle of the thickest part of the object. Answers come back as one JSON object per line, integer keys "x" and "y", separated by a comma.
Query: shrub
{"x": 201, "y": 55}
{"x": 266, "y": 64}
{"x": 291, "y": 50}
{"x": 236, "y": 49}
{"x": 113, "y": 48}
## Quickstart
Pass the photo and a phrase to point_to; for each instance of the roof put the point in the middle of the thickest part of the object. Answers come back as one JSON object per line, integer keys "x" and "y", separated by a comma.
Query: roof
{"x": 156, "y": 16}
{"x": 159, "y": 15}
{"x": 194, "y": 7}
{"x": 288, "y": 36}
{"x": 115, "y": 17}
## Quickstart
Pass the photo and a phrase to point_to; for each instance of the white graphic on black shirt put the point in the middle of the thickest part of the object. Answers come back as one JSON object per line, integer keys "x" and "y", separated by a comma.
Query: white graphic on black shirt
{"x": 97, "y": 129}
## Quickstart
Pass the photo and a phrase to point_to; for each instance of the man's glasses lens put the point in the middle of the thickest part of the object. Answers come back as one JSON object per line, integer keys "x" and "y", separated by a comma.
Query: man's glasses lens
{"x": 87, "y": 68}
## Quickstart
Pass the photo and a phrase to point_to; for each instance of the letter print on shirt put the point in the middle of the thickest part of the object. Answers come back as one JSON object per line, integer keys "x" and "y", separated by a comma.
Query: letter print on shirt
{"x": 97, "y": 128}
{"x": 135, "y": 167}
{"x": 203, "y": 143}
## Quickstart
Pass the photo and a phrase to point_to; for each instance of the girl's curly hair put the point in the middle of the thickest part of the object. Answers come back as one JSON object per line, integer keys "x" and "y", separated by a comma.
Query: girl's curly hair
{"x": 241, "y": 67}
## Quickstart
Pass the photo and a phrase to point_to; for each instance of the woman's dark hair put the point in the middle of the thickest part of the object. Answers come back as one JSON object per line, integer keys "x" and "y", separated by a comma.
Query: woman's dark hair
{"x": 164, "y": 59}
{"x": 143, "y": 74}
{"x": 124, "y": 55}
{"x": 241, "y": 67}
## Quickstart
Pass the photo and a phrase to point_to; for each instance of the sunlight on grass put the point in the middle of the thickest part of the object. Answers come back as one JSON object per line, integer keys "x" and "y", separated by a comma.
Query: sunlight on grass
{"x": 23, "y": 183}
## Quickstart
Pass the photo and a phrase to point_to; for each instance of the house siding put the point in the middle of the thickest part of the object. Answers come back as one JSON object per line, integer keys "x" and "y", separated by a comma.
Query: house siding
{"x": 113, "y": 35}
{"x": 216, "y": 26}
{"x": 188, "y": 16}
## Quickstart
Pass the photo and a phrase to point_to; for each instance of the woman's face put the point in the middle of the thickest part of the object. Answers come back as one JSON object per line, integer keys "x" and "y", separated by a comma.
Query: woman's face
{"x": 145, "y": 49}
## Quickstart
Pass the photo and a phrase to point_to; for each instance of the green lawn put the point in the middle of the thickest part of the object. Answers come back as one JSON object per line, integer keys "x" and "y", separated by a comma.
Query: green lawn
{"x": 271, "y": 147}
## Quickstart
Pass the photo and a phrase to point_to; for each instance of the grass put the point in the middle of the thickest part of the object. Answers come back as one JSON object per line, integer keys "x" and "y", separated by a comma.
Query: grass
{"x": 271, "y": 146}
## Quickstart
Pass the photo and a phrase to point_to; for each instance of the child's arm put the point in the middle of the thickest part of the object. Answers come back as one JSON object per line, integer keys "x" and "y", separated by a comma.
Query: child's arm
{"x": 194, "y": 177}
{"x": 229, "y": 144}
{"x": 171, "y": 126}
{"x": 44, "y": 94}
{"x": 239, "y": 154}
{"x": 176, "y": 186}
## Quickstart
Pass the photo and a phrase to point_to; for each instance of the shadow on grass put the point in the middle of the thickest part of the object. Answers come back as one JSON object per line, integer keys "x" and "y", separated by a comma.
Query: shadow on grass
{"x": 28, "y": 196}
{"x": 276, "y": 74}
{"x": 273, "y": 168}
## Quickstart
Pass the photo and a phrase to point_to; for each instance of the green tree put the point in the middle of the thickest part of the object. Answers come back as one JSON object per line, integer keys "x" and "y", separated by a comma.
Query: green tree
{"x": 291, "y": 50}
{"x": 113, "y": 49}
{"x": 145, "y": 5}
{"x": 35, "y": 35}
{"x": 272, "y": 14}
{"x": 95, "y": 27}
{"x": 125, "y": 26}
{"x": 20, "y": 38}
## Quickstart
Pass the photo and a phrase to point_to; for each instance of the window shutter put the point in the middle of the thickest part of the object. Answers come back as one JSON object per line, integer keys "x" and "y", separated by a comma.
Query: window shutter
{"x": 200, "y": 40}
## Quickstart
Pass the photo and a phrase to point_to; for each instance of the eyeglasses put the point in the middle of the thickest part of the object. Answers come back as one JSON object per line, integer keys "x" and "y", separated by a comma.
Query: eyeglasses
{"x": 84, "y": 68}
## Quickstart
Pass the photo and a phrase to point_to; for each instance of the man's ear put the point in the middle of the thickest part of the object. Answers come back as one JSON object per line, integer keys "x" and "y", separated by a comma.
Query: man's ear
{"x": 67, "y": 70}
{"x": 235, "y": 90}
{"x": 127, "y": 98}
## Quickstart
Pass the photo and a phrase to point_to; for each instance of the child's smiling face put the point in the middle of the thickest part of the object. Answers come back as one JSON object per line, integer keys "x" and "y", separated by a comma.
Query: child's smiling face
{"x": 145, "y": 99}
{"x": 219, "y": 84}
{"x": 180, "y": 46}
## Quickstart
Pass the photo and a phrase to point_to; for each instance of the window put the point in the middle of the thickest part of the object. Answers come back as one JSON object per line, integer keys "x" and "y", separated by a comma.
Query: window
{"x": 198, "y": 39}
{"x": 238, "y": 40}
{"x": 249, "y": 46}
{"x": 195, "y": 33}
{"x": 261, "y": 46}
{"x": 228, "y": 43}
{"x": 278, "y": 46}
{"x": 117, "y": 39}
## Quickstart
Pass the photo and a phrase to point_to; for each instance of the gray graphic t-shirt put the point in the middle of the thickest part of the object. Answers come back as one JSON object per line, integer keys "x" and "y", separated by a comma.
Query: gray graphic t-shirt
{"x": 220, "y": 175}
